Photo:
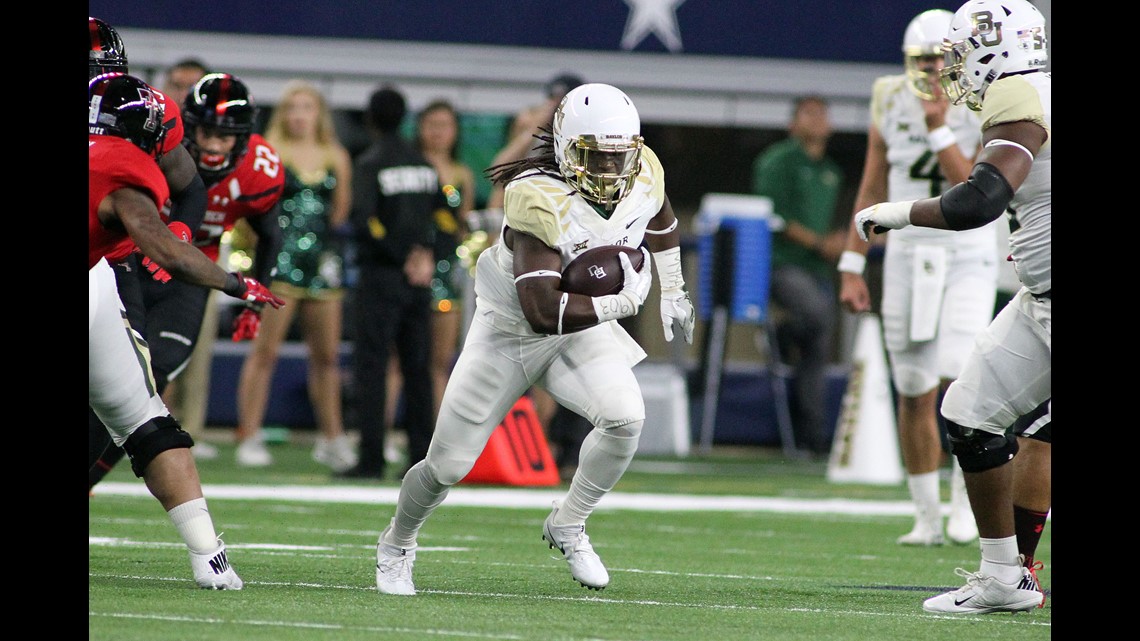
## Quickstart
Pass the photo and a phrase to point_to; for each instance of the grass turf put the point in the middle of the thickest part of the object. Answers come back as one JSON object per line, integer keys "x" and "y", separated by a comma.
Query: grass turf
{"x": 485, "y": 573}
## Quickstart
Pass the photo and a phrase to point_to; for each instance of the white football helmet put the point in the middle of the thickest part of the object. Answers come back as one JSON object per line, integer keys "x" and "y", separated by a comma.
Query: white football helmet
{"x": 923, "y": 38}
{"x": 988, "y": 38}
{"x": 597, "y": 142}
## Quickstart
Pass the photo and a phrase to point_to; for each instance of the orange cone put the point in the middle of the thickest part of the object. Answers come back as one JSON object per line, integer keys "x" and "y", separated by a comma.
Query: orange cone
{"x": 517, "y": 452}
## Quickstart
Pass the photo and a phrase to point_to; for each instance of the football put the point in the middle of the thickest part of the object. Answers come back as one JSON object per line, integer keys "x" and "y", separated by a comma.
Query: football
{"x": 597, "y": 271}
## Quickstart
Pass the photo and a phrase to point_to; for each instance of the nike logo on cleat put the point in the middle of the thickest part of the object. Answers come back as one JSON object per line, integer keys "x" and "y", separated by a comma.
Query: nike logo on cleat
{"x": 957, "y": 602}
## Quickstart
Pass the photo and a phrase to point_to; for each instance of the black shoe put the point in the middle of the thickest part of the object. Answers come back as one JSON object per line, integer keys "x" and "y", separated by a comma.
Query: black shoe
{"x": 361, "y": 472}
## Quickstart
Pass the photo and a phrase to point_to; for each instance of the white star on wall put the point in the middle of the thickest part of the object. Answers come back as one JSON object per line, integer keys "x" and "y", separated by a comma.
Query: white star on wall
{"x": 652, "y": 16}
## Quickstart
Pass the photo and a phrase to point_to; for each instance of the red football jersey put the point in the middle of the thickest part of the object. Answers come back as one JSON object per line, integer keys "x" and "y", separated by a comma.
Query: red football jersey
{"x": 172, "y": 122}
{"x": 114, "y": 163}
{"x": 251, "y": 189}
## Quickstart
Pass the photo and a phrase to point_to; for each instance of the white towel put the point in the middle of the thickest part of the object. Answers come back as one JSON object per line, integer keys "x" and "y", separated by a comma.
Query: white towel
{"x": 929, "y": 279}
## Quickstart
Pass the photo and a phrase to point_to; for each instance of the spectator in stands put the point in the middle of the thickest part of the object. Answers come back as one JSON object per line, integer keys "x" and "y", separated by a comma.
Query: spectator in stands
{"x": 180, "y": 77}
{"x": 804, "y": 184}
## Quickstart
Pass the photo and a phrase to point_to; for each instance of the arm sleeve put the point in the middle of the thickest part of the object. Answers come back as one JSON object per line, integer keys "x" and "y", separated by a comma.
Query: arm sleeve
{"x": 189, "y": 205}
{"x": 268, "y": 243}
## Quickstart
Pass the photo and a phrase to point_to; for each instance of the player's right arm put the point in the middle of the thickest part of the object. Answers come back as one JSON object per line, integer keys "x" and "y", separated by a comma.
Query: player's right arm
{"x": 138, "y": 214}
{"x": 187, "y": 190}
{"x": 853, "y": 292}
{"x": 548, "y": 309}
{"x": 1004, "y": 163}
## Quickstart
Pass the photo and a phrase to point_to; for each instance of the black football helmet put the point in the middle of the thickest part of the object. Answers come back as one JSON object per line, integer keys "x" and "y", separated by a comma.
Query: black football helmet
{"x": 219, "y": 102}
{"x": 108, "y": 54}
{"x": 125, "y": 106}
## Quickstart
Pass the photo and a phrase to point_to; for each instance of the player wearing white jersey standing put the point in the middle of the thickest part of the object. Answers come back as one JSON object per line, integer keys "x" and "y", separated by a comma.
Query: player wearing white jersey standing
{"x": 595, "y": 183}
{"x": 938, "y": 285}
{"x": 995, "y": 57}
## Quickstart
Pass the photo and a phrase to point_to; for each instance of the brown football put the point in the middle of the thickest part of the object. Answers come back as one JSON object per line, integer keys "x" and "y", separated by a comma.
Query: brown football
{"x": 597, "y": 271}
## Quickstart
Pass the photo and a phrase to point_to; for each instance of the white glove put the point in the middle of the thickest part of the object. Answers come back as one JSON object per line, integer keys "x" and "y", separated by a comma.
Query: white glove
{"x": 882, "y": 217}
{"x": 677, "y": 306}
{"x": 635, "y": 287}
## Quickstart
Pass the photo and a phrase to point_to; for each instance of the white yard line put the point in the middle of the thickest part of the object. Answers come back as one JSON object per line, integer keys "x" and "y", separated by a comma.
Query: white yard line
{"x": 537, "y": 498}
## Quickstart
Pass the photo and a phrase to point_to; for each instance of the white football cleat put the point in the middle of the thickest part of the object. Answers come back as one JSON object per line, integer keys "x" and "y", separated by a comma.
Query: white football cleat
{"x": 571, "y": 540}
{"x": 213, "y": 571}
{"x": 394, "y": 567}
{"x": 983, "y": 594}
{"x": 922, "y": 534}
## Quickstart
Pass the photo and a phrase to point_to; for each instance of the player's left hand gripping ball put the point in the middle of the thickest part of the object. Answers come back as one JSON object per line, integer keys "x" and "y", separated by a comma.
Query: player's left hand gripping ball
{"x": 180, "y": 230}
{"x": 677, "y": 306}
{"x": 248, "y": 322}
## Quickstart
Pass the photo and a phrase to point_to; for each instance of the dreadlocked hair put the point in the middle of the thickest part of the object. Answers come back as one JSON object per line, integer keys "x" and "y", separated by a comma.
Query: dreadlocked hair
{"x": 543, "y": 162}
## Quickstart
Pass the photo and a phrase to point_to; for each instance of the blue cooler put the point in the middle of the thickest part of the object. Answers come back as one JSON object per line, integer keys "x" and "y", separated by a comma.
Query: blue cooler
{"x": 752, "y": 221}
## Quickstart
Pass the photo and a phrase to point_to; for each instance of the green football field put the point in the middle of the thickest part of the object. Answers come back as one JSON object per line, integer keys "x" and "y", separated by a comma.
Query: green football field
{"x": 738, "y": 544}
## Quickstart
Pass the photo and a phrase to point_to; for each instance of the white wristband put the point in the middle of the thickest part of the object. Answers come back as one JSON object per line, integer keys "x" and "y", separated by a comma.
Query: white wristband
{"x": 613, "y": 307}
{"x": 852, "y": 262}
{"x": 668, "y": 265}
{"x": 940, "y": 138}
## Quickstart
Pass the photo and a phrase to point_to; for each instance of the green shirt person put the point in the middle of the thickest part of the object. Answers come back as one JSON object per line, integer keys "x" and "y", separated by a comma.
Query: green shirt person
{"x": 804, "y": 185}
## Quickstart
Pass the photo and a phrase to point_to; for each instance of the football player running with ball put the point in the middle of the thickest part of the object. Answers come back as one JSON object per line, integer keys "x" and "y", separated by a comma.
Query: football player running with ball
{"x": 995, "y": 56}
{"x": 594, "y": 183}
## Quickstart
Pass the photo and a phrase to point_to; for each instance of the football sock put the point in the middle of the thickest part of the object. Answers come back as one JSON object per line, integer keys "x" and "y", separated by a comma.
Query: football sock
{"x": 192, "y": 519}
{"x": 1029, "y": 525}
{"x": 420, "y": 494}
{"x": 604, "y": 456}
{"x": 927, "y": 505}
{"x": 999, "y": 559}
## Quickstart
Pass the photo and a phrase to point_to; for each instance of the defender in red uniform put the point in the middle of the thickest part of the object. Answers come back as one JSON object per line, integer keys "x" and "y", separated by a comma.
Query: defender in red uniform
{"x": 125, "y": 192}
{"x": 245, "y": 180}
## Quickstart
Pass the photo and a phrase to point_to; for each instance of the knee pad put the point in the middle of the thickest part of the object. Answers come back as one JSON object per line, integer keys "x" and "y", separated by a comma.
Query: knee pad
{"x": 978, "y": 450}
{"x": 913, "y": 381}
{"x": 620, "y": 440}
{"x": 153, "y": 438}
{"x": 621, "y": 406}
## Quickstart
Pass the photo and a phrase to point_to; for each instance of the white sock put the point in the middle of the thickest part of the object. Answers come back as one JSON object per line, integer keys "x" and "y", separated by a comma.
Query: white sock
{"x": 958, "y": 495}
{"x": 927, "y": 504}
{"x": 420, "y": 494}
{"x": 604, "y": 456}
{"x": 192, "y": 519}
{"x": 1000, "y": 559}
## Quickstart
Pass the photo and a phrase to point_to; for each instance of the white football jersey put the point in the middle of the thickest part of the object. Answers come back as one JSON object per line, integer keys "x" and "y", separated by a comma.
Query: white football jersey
{"x": 913, "y": 172}
{"x": 554, "y": 212}
{"x": 1012, "y": 99}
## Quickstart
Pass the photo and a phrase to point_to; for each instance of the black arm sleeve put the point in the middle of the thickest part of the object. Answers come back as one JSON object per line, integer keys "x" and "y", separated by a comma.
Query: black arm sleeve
{"x": 189, "y": 205}
{"x": 978, "y": 201}
{"x": 268, "y": 243}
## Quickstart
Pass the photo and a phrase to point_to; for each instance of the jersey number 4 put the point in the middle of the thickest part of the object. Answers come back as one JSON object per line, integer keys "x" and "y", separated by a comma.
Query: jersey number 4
{"x": 926, "y": 168}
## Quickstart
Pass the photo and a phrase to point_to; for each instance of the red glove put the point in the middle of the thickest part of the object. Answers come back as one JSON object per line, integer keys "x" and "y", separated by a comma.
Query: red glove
{"x": 249, "y": 290}
{"x": 248, "y": 322}
{"x": 180, "y": 230}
